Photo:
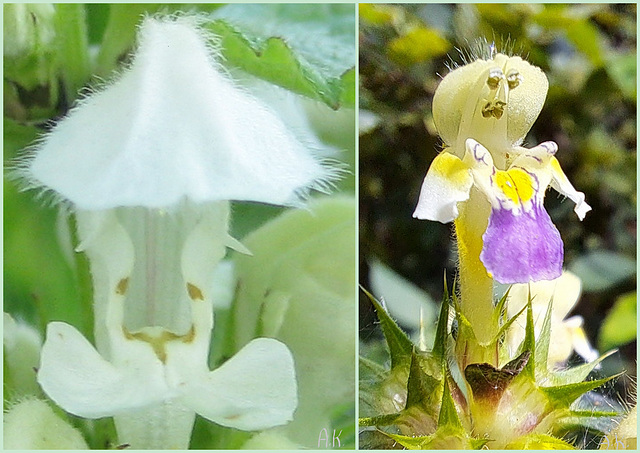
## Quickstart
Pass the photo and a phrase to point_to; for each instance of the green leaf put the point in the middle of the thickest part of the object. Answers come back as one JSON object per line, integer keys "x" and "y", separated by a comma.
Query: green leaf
{"x": 619, "y": 326}
{"x": 539, "y": 442}
{"x": 603, "y": 269}
{"x": 308, "y": 49}
{"x": 400, "y": 347}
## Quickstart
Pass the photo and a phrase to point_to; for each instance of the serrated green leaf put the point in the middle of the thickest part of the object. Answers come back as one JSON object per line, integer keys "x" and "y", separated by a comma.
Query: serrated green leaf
{"x": 539, "y": 442}
{"x": 308, "y": 49}
{"x": 400, "y": 347}
{"x": 620, "y": 325}
{"x": 562, "y": 396}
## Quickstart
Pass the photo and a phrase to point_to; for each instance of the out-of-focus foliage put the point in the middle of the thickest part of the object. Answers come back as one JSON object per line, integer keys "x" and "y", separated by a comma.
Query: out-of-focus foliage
{"x": 588, "y": 53}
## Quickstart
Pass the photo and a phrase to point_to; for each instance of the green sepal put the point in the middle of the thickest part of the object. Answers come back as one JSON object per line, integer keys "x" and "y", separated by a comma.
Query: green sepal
{"x": 575, "y": 374}
{"x": 562, "y": 396}
{"x": 593, "y": 413}
{"x": 508, "y": 324}
{"x": 544, "y": 340}
{"x": 424, "y": 383}
{"x": 499, "y": 312}
{"x": 440, "y": 342}
{"x": 445, "y": 438}
{"x": 529, "y": 343}
{"x": 400, "y": 346}
{"x": 539, "y": 442}
{"x": 448, "y": 414}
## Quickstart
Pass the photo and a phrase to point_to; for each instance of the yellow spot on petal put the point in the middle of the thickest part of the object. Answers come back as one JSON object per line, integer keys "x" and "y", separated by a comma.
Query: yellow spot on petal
{"x": 516, "y": 184}
{"x": 506, "y": 186}
{"x": 450, "y": 167}
{"x": 194, "y": 292}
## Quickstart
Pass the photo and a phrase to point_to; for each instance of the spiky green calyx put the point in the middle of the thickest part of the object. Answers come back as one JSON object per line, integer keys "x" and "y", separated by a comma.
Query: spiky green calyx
{"x": 511, "y": 400}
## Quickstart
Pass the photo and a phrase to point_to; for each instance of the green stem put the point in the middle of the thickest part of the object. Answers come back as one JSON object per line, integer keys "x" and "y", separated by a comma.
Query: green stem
{"x": 85, "y": 284}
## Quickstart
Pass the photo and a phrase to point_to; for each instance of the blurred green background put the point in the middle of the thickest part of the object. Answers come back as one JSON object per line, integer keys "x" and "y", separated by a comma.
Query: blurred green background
{"x": 588, "y": 53}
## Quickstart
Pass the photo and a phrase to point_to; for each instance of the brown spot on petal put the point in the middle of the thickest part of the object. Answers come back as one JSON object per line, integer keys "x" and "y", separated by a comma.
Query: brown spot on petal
{"x": 122, "y": 286}
{"x": 194, "y": 292}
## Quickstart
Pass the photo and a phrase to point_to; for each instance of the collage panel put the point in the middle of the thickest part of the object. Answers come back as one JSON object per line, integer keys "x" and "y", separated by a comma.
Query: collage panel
{"x": 182, "y": 183}
{"x": 179, "y": 226}
{"x": 497, "y": 211}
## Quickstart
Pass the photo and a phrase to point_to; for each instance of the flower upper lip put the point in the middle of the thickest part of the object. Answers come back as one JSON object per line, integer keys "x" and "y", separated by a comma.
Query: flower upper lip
{"x": 174, "y": 125}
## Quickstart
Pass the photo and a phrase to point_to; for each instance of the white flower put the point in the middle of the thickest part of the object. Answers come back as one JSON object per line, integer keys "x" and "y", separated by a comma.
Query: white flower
{"x": 149, "y": 165}
{"x": 567, "y": 334}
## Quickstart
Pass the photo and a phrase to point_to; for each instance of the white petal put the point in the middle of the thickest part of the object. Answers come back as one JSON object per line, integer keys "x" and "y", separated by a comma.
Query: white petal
{"x": 561, "y": 183}
{"x": 79, "y": 380}
{"x": 255, "y": 389}
{"x": 174, "y": 125}
{"x": 448, "y": 182}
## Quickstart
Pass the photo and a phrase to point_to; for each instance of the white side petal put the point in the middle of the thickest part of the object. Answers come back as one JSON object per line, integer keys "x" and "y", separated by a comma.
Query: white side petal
{"x": 79, "y": 380}
{"x": 174, "y": 125}
{"x": 561, "y": 183}
{"x": 256, "y": 389}
{"x": 448, "y": 182}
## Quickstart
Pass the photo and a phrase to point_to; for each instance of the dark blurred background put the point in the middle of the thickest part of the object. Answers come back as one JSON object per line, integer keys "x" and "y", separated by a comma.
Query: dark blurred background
{"x": 588, "y": 53}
